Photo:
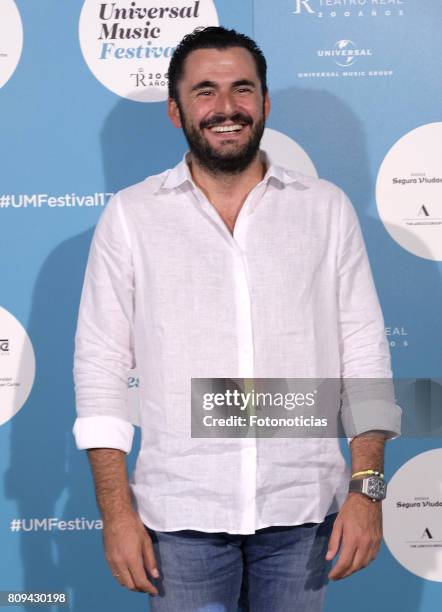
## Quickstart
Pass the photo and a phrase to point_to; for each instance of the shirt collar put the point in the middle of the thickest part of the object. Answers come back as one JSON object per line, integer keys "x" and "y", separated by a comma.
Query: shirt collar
{"x": 180, "y": 174}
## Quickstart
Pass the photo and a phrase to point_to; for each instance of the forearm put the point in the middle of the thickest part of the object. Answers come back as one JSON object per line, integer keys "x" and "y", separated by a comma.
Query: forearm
{"x": 357, "y": 532}
{"x": 367, "y": 452}
{"x": 112, "y": 490}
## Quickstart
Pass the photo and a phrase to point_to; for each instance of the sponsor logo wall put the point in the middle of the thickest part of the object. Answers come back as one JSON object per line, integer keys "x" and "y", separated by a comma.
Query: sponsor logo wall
{"x": 355, "y": 98}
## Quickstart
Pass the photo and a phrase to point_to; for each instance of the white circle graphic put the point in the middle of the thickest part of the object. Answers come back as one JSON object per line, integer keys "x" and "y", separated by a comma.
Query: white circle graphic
{"x": 17, "y": 366}
{"x": 285, "y": 152}
{"x": 412, "y": 515}
{"x": 128, "y": 44}
{"x": 409, "y": 191}
{"x": 11, "y": 39}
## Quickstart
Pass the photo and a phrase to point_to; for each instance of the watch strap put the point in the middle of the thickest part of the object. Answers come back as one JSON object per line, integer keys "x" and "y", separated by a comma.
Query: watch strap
{"x": 373, "y": 487}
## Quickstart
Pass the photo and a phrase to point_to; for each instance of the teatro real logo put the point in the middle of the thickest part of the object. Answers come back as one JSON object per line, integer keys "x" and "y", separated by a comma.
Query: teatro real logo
{"x": 350, "y": 8}
{"x": 303, "y": 5}
{"x": 344, "y": 53}
{"x": 397, "y": 336}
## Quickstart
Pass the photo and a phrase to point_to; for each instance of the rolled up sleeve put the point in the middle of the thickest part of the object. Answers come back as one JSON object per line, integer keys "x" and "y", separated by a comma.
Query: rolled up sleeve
{"x": 368, "y": 401}
{"x": 104, "y": 351}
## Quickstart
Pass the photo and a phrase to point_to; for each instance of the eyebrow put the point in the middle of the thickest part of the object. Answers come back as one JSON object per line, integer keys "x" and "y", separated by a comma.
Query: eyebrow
{"x": 207, "y": 83}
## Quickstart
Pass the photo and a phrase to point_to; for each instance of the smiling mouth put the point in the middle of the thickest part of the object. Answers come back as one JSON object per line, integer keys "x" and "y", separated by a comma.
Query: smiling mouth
{"x": 226, "y": 128}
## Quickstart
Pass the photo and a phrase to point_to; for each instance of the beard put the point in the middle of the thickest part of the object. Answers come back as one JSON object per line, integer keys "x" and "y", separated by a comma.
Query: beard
{"x": 217, "y": 161}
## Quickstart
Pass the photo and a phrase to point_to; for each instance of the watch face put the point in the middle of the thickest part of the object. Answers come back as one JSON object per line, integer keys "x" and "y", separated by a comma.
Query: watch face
{"x": 376, "y": 488}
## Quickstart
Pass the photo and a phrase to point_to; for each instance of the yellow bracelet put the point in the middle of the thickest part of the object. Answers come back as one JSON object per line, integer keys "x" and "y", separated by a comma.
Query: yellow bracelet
{"x": 368, "y": 473}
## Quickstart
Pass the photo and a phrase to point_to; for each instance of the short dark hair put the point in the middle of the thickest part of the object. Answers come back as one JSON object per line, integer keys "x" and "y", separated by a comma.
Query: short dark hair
{"x": 213, "y": 37}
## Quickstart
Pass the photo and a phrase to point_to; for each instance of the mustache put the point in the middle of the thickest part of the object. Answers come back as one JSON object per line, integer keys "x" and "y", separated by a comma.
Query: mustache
{"x": 219, "y": 119}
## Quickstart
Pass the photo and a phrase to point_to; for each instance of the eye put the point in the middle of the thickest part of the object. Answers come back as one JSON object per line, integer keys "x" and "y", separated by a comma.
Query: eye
{"x": 244, "y": 90}
{"x": 205, "y": 92}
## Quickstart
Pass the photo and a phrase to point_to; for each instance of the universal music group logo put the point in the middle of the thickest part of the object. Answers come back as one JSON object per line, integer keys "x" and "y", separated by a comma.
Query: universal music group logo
{"x": 350, "y": 8}
{"x": 344, "y": 54}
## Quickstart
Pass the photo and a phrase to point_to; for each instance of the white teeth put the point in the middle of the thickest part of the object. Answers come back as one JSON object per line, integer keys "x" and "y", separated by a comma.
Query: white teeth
{"x": 226, "y": 128}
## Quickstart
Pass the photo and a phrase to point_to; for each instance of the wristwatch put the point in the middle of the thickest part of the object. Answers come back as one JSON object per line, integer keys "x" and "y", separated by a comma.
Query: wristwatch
{"x": 373, "y": 486}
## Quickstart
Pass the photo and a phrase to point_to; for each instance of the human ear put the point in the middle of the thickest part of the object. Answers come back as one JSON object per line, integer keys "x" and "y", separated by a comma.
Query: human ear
{"x": 174, "y": 112}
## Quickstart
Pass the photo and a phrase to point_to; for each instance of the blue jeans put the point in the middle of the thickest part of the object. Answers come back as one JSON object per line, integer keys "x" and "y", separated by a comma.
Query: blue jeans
{"x": 276, "y": 569}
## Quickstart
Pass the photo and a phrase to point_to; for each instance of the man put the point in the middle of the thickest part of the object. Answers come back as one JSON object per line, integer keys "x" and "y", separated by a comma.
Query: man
{"x": 227, "y": 266}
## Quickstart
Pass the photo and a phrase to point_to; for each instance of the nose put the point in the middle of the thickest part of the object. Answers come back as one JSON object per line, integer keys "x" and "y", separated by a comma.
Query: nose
{"x": 225, "y": 103}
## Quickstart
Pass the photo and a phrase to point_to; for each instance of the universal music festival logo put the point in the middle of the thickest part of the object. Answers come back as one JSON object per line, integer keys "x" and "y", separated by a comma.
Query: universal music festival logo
{"x": 119, "y": 24}
{"x": 128, "y": 44}
{"x": 350, "y": 8}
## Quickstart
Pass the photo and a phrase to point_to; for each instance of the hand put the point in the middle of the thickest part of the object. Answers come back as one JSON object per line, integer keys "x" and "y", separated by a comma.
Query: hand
{"x": 129, "y": 552}
{"x": 357, "y": 531}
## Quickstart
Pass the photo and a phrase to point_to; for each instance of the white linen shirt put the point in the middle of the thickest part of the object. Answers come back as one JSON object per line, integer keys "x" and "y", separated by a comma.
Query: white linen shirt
{"x": 170, "y": 290}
